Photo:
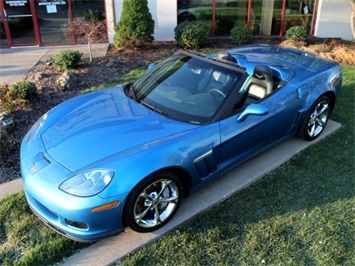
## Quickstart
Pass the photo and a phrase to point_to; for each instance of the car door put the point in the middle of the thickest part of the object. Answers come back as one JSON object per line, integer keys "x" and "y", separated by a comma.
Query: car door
{"x": 242, "y": 138}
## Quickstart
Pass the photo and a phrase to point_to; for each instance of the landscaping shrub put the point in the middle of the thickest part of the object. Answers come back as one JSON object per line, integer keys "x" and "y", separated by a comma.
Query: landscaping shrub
{"x": 241, "y": 35}
{"x": 24, "y": 90}
{"x": 136, "y": 25}
{"x": 296, "y": 33}
{"x": 6, "y": 103}
{"x": 67, "y": 59}
{"x": 16, "y": 95}
{"x": 191, "y": 34}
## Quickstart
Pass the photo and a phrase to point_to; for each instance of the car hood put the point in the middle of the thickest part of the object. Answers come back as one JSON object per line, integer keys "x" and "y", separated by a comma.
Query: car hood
{"x": 103, "y": 124}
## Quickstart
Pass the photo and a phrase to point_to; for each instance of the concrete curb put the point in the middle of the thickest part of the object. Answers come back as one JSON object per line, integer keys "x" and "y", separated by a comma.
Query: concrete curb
{"x": 10, "y": 187}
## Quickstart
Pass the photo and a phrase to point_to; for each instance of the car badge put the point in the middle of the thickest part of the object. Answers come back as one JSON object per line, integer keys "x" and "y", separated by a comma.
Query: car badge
{"x": 34, "y": 168}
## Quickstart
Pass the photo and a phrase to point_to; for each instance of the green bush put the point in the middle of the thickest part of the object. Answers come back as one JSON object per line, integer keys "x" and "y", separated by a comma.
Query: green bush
{"x": 23, "y": 90}
{"x": 16, "y": 95}
{"x": 6, "y": 103}
{"x": 241, "y": 35}
{"x": 136, "y": 25}
{"x": 296, "y": 33}
{"x": 67, "y": 59}
{"x": 191, "y": 34}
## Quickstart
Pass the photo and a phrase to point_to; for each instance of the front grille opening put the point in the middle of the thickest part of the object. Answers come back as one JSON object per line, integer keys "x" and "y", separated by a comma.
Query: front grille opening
{"x": 75, "y": 224}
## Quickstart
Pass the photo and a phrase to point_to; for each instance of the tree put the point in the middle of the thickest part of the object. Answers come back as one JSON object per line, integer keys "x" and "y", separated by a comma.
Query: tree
{"x": 89, "y": 29}
{"x": 136, "y": 26}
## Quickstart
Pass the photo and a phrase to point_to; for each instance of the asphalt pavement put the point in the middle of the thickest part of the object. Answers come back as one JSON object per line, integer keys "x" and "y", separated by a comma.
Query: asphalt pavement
{"x": 16, "y": 62}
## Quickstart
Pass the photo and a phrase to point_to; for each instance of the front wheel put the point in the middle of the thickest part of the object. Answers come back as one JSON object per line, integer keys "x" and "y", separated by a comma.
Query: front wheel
{"x": 153, "y": 202}
{"x": 316, "y": 119}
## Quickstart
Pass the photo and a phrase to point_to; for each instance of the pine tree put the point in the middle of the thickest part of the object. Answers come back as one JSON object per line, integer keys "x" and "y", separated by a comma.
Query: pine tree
{"x": 136, "y": 26}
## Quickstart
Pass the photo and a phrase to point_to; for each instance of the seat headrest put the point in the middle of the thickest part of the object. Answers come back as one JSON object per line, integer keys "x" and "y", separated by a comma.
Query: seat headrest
{"x": 262, "y": 73}
{"x": 226, "y": 56}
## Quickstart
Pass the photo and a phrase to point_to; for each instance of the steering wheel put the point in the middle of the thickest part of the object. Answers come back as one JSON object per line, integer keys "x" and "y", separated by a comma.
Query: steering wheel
{"x": 218, "y": 91}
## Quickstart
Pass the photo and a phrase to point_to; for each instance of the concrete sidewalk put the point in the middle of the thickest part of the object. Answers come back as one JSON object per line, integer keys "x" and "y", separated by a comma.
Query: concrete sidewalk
{"x": 17, "y": 62}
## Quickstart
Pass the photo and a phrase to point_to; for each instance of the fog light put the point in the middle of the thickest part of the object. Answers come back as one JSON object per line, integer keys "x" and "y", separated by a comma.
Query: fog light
{"x": 79, "y": 225}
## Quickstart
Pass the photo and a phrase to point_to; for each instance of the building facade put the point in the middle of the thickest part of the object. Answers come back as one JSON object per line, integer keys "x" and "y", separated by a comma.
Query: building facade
{"x": 45, "y": 22}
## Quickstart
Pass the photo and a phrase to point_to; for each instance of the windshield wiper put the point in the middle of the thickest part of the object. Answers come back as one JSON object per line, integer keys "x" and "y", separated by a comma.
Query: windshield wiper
{"x": 132, "y": 92}
{"x": 152, "y": 107}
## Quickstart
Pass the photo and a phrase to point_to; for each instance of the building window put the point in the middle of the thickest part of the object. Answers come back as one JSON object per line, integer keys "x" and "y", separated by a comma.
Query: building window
{"x": 89, "y": 9}
{"x": 262, "y": 16}
{"x": 299, "y": 13}
{"x": 53, "y": 22}
{"x": 44, "y": 22}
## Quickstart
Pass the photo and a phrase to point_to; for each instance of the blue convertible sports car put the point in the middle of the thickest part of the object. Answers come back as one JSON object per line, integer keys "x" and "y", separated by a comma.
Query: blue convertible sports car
{"x": 126, "y": 156}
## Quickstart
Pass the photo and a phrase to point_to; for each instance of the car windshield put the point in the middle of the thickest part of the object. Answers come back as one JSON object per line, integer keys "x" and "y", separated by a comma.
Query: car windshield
{"x": 186, "y": 88}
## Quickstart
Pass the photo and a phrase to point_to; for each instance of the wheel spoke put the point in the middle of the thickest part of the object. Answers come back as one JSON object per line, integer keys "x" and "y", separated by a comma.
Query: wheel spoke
{"x": 172, "y": 199}
{"x": 165, "y": 184}
{"x": 324, "y": 108}
{"x": 320, "y": 122}
{"x": 312, "y": 129}
{"x": 140, "y": 216}
{"x": 139, "y": 213}
{"x": 145, "y": 195}
{"x": 157, "y": 215}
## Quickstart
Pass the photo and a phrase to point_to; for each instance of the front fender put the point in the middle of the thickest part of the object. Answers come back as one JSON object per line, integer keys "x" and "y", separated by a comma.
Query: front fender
{"x": 180, "y": 152}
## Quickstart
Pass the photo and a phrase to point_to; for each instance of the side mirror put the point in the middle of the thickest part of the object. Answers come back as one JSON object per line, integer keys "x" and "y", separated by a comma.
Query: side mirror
{"x": 151, "y": 66}
{"x": 252, "y": 109}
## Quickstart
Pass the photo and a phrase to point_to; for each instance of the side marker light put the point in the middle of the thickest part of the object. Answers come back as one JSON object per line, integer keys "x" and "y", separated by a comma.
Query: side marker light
{"x": 105, "y": 207}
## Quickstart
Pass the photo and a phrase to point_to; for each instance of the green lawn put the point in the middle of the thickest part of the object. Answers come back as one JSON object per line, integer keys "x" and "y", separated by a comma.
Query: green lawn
{"x": 303, "y": 213}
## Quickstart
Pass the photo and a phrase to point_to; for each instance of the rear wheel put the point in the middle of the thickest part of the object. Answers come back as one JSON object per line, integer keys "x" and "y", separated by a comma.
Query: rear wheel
{"x": 153, "y": 202}
{"x": 316, "y": 119}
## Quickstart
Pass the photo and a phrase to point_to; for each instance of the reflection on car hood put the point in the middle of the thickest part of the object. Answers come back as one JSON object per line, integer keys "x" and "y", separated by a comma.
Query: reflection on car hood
{"x": 104, "y": 124}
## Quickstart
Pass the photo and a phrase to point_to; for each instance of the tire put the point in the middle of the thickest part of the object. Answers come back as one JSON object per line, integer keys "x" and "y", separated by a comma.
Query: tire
{"x": 316, "y": 119}
{"x": 153, "y": 202}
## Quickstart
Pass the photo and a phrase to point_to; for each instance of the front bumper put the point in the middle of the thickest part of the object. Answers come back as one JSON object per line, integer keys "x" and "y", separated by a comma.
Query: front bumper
{"x": 70, "y": 215}
{"x": 80, "y": 225}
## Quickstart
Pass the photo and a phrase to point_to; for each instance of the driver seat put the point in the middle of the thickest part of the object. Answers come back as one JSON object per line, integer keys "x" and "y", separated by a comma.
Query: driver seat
{"x": 259, "y": 85}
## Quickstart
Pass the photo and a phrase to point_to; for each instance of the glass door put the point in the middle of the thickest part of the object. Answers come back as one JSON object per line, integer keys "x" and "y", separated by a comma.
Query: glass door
{"x": 54, "y": 21}
{"x": 18, "y": 17}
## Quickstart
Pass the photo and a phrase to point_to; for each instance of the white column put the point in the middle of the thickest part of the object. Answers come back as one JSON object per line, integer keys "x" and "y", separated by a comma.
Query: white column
{"x": 266, "y": 16}
{"x": 110, "y": 13}
{"x": 335, "y": 20}
{"x": 164, "y": 13}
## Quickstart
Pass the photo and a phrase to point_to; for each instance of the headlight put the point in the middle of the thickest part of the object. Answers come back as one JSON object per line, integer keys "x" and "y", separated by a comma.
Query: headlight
{"x": 88, "y": 183}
